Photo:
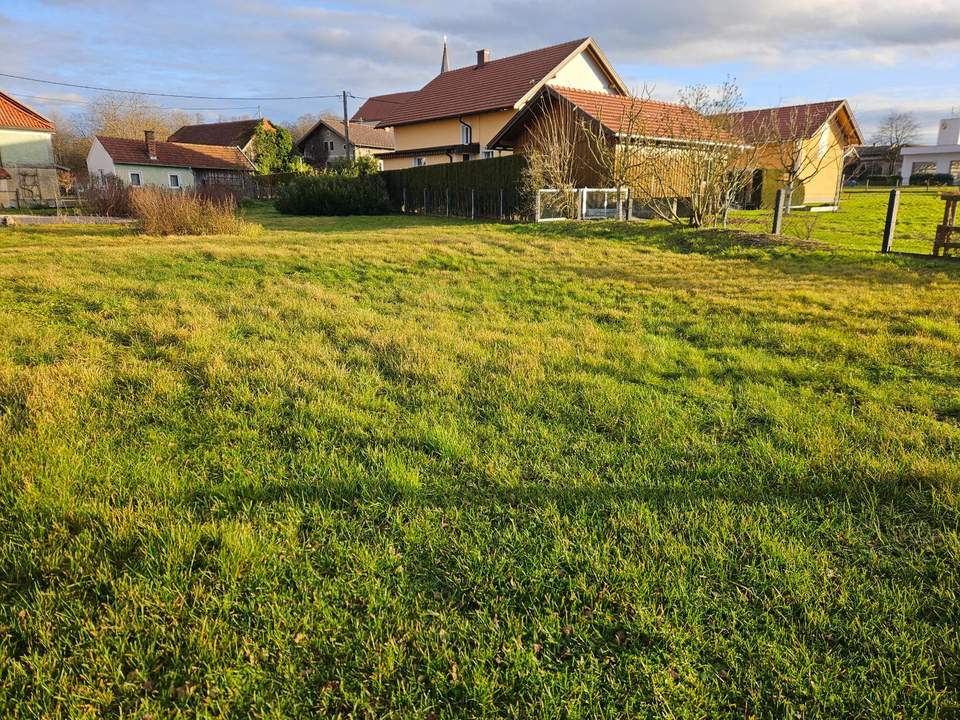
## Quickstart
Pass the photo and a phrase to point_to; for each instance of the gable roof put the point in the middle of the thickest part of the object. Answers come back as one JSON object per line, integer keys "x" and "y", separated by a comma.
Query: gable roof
{"x": 495, "y": 85}
{"x": 17, "y": 116}
{"x": 621, "y": 114}
{"x": 379, "y": 107}
{"x": 360, "y": 135}
{"x": 795, "y": 122}
{"x": 236, "y": 133}
{"x": 169, "y": 154}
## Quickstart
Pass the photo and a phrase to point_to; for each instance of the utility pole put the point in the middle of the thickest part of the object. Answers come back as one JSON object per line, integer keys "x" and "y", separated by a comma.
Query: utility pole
{"x": 346, "y": 127}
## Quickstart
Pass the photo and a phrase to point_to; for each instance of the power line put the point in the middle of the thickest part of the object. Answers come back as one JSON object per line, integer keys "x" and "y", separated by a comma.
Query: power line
{"x": 65, "y": 101}
{"x": 167, "y": 95}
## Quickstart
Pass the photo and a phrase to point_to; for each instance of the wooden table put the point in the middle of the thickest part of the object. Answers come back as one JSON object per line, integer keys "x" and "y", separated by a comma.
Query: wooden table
{"x": 949, "y": 228}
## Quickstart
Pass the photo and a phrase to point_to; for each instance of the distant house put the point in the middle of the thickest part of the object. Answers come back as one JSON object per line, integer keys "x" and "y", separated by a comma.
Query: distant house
{"x": 28, "y": 175}
{"x": 236, "y": 133}
{"x": 456, "y": 115}
{"x": 326, "y": 141}
{"x": 379, "y": 107}
{"x": 874, "y": 160}
{"x": 820, "y": 135}
{"x": 940, "y": 159}
{"x": 167, "y": 164}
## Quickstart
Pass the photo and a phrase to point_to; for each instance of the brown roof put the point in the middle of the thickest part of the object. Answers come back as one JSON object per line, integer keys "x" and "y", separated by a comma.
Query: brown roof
{"x": 360, "y": 135}
{"x": 623, "y": 114}
{"x": 4, "y": 175}
{"x": 169, "y": 154}
{"x": 236, "y": 133}
{"x": 378, "y": 107}
{"x": 495, "y": 85}
{"x": 19, "y": 117}
{"x": 471, "y": 149}
{"x": 785, "y": 123}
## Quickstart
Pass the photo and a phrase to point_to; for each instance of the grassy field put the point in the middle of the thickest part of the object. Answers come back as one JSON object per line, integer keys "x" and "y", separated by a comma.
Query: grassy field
{"x": 399, "y": 467}
{"x": 859, "y": 222}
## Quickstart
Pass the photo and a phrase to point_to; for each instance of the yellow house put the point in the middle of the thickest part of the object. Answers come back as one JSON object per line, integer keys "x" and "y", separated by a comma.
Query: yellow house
{"x": 455, "y": 116}
{"x": 807, "y": 144}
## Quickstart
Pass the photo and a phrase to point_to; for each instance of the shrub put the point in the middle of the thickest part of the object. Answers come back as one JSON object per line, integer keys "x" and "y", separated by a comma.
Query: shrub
{"x": 333, "y": 194}
{"x": 175, "y": 212}
{"x": 937, "y": 179}
{"x": 883, "y": 179}
{"x": 108, "y": 197}
{"x": 363, "y": 165}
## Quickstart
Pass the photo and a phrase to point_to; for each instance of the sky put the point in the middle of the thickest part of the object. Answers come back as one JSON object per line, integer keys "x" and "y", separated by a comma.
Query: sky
{"x": 881, "y": 55}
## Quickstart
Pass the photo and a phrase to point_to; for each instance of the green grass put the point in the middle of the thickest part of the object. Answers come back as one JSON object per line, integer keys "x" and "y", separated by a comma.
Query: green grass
{"x": 399, "y": 467}
{"x": 860, "y": 221}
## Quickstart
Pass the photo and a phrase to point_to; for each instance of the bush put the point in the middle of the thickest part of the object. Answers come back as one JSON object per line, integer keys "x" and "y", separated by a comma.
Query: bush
{"x": 890, "y": 180}
{"x": 935, "y": 179}
{"x": 108, "y": 197}
{"x": 333, "y": 194}
{"x": 363, "y": 165}
{"x": 185, "y": 212}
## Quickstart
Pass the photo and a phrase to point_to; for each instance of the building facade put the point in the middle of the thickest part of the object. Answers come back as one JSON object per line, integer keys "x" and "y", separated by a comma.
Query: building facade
{"x": 28, "y": 171}
{"x": 940, "y": 159}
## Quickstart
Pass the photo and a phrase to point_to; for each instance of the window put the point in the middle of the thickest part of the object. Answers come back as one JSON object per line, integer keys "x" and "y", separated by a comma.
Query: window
{"x": 419, "y": 162}
{"x": 923, "y": 168}
{"x": 955, "y": 169}
{"x": 466, "y": 134}
{"x": 380, "y": 164}
{"x": 174, "y": 180}
{"x": 465, "y": 157}
{"x": 135, "y": 179}
{"x": 486, "y": 154}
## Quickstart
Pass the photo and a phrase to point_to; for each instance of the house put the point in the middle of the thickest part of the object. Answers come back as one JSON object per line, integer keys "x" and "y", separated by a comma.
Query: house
{"x": 236, "y": 133}
{"x": 379, "y": 107}
{"x": 814, "y": 138}
{"x": 167, "y": 164}
{"x": 456, "y": 115}
{"x": 327, "y": 141}
{"x": 28, "y": 174}
{"x": 940, "y": 159}
{"x": 874, "y": 161}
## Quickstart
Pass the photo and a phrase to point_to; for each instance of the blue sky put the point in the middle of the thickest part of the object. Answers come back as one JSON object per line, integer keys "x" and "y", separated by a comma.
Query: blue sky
{"x": 880, "y": 54}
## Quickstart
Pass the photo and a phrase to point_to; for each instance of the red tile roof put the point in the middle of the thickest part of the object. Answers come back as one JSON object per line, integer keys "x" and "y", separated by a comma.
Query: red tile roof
{"x": 236, "y": 133}
{"x": 495, "y": 85}
{"x": 360, "y": 135}
{"x": 207, "y": 157}
{"x": 619, "y": 113}
{"x": 785, "y": 123}
{"x": 378, "y": 107}
{"x": 19, "y": 117}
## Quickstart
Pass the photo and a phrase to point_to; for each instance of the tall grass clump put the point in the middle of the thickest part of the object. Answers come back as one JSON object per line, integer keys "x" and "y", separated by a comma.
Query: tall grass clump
{"x": 334, "y": 194}
{"x": 108, "y": 197}
{"x": 175, "y": 212}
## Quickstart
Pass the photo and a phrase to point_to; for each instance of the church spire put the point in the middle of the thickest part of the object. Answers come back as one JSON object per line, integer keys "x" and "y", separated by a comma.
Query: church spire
{"x": 445, "y": 62}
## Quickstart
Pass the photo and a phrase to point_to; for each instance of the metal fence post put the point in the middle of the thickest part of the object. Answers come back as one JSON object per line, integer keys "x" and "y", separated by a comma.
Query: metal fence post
{"x": 536, "y": 208}
{"x": 448, "y": 202}
{"x": 501, "y": 204}
{"x": 472, "y": 205}
{"x": 890, "y": 227}
{"x": 629, "y": 203}
{"x": 403, "y": 202}
{"x": 583, "y": 203}
{"x": 778, "y": 213}
{"x": 424, "y": 201}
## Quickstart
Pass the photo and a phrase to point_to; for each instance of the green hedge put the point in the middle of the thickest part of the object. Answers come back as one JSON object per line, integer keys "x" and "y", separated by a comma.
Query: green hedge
{"x": 477, "y": 188}
{"x": 937, "y": 179}
{"x": 331, "y": 194}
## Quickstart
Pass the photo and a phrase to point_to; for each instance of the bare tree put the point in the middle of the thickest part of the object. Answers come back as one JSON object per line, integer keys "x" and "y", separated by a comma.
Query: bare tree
{"x": 797, "y": 143}
{"x": 554, "y": 141}
{"x": 685, "y": 163}
{"x": 897, "y": 130}
{"x": 302, "y": 125}
{"x": 127, "y": 116}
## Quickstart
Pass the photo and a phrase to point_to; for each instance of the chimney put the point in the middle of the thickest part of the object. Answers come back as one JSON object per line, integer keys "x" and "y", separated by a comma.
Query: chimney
{"x": 483, "y": 57}
{"x": 150, "y": 137}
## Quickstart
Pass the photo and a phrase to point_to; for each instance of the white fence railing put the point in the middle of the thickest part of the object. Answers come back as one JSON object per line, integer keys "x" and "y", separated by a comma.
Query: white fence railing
{"x": 603, "y": 204}
{"x": 583, "y": 204}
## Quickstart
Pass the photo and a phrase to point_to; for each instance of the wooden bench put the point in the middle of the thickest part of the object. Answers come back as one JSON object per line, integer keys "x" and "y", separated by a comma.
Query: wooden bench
{"x": 949, "y": 228}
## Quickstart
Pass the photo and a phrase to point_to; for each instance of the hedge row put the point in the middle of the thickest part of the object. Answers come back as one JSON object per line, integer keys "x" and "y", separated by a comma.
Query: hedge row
{"x": 936, "y": 179}
{"x": 447, "y": 188}
{"x": 331, "y": 194}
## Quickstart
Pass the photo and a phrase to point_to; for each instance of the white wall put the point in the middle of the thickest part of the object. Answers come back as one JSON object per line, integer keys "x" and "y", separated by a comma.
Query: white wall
{"x": 582, "y": 73}
{"x": 98, "y": 160}
{"x": 32, "y": 148}
{"x": 942, "y": 156}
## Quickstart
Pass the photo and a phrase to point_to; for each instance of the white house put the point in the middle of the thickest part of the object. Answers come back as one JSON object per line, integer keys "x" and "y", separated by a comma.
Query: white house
{"x": 942, "y": 158}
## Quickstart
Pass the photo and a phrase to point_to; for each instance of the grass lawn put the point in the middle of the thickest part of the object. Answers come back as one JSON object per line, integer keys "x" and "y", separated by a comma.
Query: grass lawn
{"x": 400, "y": 467}
{"x": 859, "y": 222}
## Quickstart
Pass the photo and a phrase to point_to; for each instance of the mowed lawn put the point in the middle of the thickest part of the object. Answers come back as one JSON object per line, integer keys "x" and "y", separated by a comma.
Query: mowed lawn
{"x": 859, "y": 222}
{"x": 399, "y": 467}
